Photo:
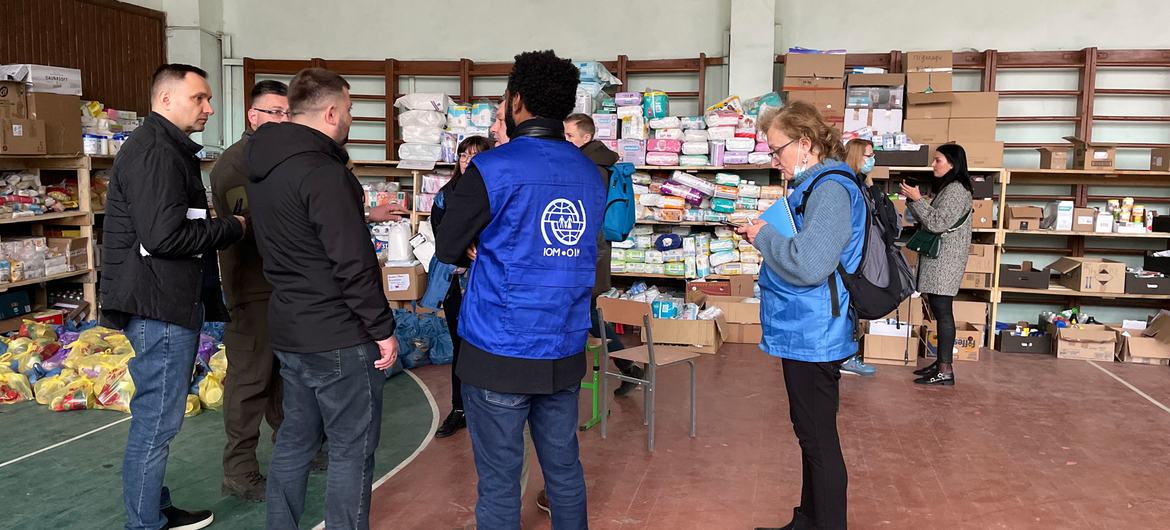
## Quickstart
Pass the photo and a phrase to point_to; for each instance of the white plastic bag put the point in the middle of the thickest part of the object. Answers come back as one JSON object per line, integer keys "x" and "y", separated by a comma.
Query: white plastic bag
{"x": 422, "y": 135}
{"x": 425, "y": 152}
{"x": 398, "y": 247}
{"x": 424, "y": 101}
{"x": 422, "y": 118}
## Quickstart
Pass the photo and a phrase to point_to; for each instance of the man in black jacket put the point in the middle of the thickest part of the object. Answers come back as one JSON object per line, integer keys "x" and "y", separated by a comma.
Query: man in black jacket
{"x": 160, "y": 281}
{"x": 331, "y": 326}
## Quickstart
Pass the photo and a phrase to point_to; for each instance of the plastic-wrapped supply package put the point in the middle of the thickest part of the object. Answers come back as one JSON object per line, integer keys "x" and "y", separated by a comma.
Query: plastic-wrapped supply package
{"x": 594, "y": 71}
{"x": 741, "y": 145}
{"x": 630, "y": 110}
{"x": 422, "y": 135}
{"x": 606, "y": 126}
{"x": 693, "y": 161}
{"x": 695, "y": 148}
{"x": 641, "y": 178}
{"x": 772, "y": 192}
{"x": 696, "y": 135}
{"x": 424, "y": 101}
{"x": 719, "y": 258}
{"x": 661, "y": 159}
{"x": 722, "y": 118}
{"x": 749, "y": 190}
{"x": 721, "y": 133}
{"x": 730, "y": 269}
{"x": 727, "y": 179}
{"x": 653, "y": 200}
{"x": 483, "y": 114}
{"x": 669, "y": 122}
{"x": 731, "y": 158}
{"x": 693, "y": 215}
{"x": 747, "y": 203}
{"x": 634, "y": 128}
{"x": 759, "y": 159}
{"x": 721, "y": 245}
{"x": 762, "y": 147}
{"x": 586, "y": 98}
{"x": 730, "y": 103}
{"x": 617, "y": 267}
{"x": 433, "y": 182}
{"x": 692, "y": 122}
{"x": 424, "y": 152}
{"x": 656, "y": 103}
{"x": 638, "y": 268}
{"x": 636, "y": 255}
{"x": 458, "y": 116}
{"x": 628, "y": 99}
{"x": 691, "y": 195}
{"x": 670, "y": 202}
{"x": 725, "y": 192}
{"x": 718, "y": 151}
{"x": 669, "y": 215}
{"x": 700, "y": 184}
{"x": 422, "y": 118}
{"x": 669, "y": 134}
{"x": 759, "y": 104}
{"x": 664, "y": 146}
{"x": 632, "y": 151}
{"x": 723, "y": 205}
{"x": 450, "y": 145}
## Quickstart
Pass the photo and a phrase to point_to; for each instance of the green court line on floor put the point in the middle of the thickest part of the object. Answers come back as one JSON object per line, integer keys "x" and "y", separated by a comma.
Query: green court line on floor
{"x": 78, "y": 485}
{"x": 27, "y": 427}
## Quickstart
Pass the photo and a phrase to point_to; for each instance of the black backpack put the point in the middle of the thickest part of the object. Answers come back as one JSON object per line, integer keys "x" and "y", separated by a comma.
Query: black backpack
{"x": 883, "y": 279}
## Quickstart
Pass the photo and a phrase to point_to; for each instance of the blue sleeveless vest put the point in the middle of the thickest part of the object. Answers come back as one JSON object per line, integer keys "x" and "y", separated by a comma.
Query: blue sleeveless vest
{"x": 798, "y": 321}
{"x": 529, "y": 287}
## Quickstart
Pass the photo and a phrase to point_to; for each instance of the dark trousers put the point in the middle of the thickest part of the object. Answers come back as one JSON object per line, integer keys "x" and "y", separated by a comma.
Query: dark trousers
{"x": 943, "y": 308}
{"x": 251, "y": 391}
{"x": 613, "y": 340}
{"x": 451, "y": 307}
{"x": 813, "y": 398}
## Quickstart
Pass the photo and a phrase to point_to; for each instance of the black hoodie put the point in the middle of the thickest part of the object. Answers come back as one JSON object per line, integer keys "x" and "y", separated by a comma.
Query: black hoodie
{"x": 308, "y": 218}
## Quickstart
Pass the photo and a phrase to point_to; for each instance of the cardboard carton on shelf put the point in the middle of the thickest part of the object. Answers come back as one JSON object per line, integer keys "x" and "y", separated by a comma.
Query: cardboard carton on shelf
{"x": 984, "y": 154}
{"x": 1059, "y": 215}
{"x": 983, "y": 213}
{"x": 1088, "y": 342}
{"x": 975, "y": 105}
{"x": 804, "y": 84}
{"x": 831, "y": 103}
{"x": 1084, "y": 219}
{"x": 1024, "y": 276}
{"x": 1090, "y": 275}
{"x": 885, "y": 121}
{"x": 963, "y": 130}
{"x": 933, "y": 106}
{"x": 1007, "y": 343}
{"x": 830, "y": 65}
{"x": 917, "y": 158}
{"x": 45, "y": 79}
{"x": 1092, "y": 156}
{"x": 975, "y": 280}
{"x": 20, "y": 136}
{"x": 929, "y": 82}
{"x": 981, "y": 258}
{"x": 62, "y": 121}
{"x": 404, "y": 283}
{"x": 1024, "y": 217}
{"x": 1160, "y": 159}
{"x": 1053, "y": 158}
{"x": 930, "y": 61}
{"x": 974, "y": 313}
{"x": 13, "y": 101}
{"x": 930, "y": 131}
{"x": 983, "y": 187}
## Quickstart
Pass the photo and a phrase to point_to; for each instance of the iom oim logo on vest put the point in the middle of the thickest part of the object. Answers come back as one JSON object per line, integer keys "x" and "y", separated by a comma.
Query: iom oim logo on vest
{"x": 565, "y": 222}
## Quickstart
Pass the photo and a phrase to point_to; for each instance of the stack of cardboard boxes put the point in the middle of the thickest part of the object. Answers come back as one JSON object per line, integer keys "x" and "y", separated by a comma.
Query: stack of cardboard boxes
{"x": 818, "y": 79}
{"x": 875, "y": 101}
{"x": 40, "y": 110}
{"x": 936, "y": 115}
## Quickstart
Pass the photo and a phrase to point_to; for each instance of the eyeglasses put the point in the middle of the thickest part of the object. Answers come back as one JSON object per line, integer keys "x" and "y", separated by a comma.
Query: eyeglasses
{"x": 775, "y": 153}
{"x": 464, "y": 157}
{"x": 273, "y": 112}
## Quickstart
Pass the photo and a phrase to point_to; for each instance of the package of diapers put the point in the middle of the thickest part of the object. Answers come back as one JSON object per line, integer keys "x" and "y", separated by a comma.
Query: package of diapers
{"x": 656, "y": 103}
{"x": 668, "y": 215}
{"x": 670, "y": 202}
{"x": 661, "y": 159}
{"x": 664, "y": 146}
{"x": 741, "y": 145}
{"x": 727, "y": 179}
{"x": 422, "y": 135}
{"x": 731, "y": 158}
{"x": 606, "y": 126}
{"x": 723, "y": 205}
{"x": 425, "y": 152}
{"x": 459, "y": 116}
{"x": 719, "y": 258}
{"x": 694, "y": 161}
{"x": 628, "y": 99}
{"x": 726, "y": 192}
{"x": 669, "y": 134}
{"x": 422, "y": 118}
{"x": 762, "y": 147}
{"x": 669, "y": 122}
{"x": 696, "y": 135}
{"x": 483, "y": 114}
{"x": 632, "y": 151}
{"x": 764, "y": 204}
{"x": 722, "y": 118}
{"x": 695, "y": 148}
{"x": 759, "y": 159}
{"x": 634, "y": 128}
{"x": 424, "y": 101}
{"x": 630, "y": 110}
{"x": 689, "y": 194}
{"x": 650, "y": 199}
{"x": 692, "y": 122}
{"x": 721, "y": 133}
{"x": 696, "y": 182}
{"x": 772, "y": 192}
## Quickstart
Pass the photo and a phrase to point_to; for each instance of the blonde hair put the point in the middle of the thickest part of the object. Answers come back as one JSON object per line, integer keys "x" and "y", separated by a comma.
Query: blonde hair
{"x": 799, "y": 120}
{"x": 855, "y": 156}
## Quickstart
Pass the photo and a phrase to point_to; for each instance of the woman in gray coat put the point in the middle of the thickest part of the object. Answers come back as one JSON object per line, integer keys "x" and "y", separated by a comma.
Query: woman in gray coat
{"x": 949, "y": 214}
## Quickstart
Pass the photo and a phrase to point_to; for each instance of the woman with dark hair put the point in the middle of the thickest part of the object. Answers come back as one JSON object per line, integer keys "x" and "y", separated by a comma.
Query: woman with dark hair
{"x": 468, "y": 148}
{"x": 948, "y": 214}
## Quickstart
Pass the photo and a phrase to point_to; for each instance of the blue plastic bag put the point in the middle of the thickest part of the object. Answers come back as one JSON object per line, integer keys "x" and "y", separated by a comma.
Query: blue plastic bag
{"x": 422, "y": 339}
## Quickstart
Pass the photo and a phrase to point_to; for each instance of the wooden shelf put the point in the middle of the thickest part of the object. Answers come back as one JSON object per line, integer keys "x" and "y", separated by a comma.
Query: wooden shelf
{"x": 668, "y": 277}
{"x": 737, "y": 167}
{"x": 63, "y": 276}
{"x": 1066, "y": 233}
{"x": 46, "y": 217}
{"x": 1111, "y": 177}
{"x": 1056, "y": 289}
{"x": 680, "y": 223}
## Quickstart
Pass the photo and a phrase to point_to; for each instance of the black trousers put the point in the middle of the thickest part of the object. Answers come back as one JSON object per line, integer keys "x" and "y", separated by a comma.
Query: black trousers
{"x": 451, "y": 306}
{"x": 813, "y": 397}
{"x": 943, "y": 308}
{"x": 252, "y": 389}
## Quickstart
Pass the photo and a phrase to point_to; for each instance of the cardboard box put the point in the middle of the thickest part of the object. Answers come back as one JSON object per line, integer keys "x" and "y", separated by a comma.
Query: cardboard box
{"x": 1160, "y": 159}
{"x": 934, "y": 106}
{"x": 1104, "y": 223}
{"x": 928, "y": 82}
{"x": 1090, "y": 275}
{"x": 898, "y": 351}
{"x": 910, "y": 310}
{"x": 1087, "y": 155}
{"x": 798, "y": 84}
{"x": 856, "y": 119}
{"x": 1159, "y": 327}
{"x": 983, "y": 213}
{"x": 919, "y": 158}
{"x": 1084, "y": 219}
{"x": 968, "y": 339}
{"x": 1024, "y": 276}
{"x": 1024, "y": 217}
{"x": 983, "y": 187}
{"x": 1134, "y": 348}
{"x": 831, "y": 103}
{"x": 742, "y": 318}
{"x": 1135, "y": 284}
{"x": 13, "y": 101}
{"x": 963, "y": 130}
{"x": 883, "y": 121}
{"x": 404, "y": 283}
{"x": 1053, "y": 158}
{"x": 930, "y": 61}
{"x": 1156, "y": 263}
{"x": 75, "y": 250}
{"x": 975, "y": 105}
{"x": 927, "y": 131}
{"x": 14, "y": 304}
{"x": 741, "y": 286}
{"x": 62, "y": 117}
{"x": 976, "y": 280}
{"x": 1058, "y": 215}
{"x": 814, "y": 65}
{"x": 45, "y": 79}
{"x": 1087, "y": 343}
{"x": 890, "y": 329}
{"x": 702, "y": 336}
{"x": 882, "y": 80}
{"x": 1007, "y": 343}
{"x": 984, "y": 154}
{"x": 22, "y": 137}
{"x": 981, "y": 258}
{"x": 974, "y": 313}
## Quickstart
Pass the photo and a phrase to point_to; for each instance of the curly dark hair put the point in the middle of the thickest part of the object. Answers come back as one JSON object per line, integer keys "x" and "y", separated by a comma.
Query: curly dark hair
{"x": 546, "y": 83}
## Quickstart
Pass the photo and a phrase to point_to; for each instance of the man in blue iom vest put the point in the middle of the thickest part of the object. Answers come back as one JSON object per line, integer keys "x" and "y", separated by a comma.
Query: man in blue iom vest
{"x": 533, "y": 209}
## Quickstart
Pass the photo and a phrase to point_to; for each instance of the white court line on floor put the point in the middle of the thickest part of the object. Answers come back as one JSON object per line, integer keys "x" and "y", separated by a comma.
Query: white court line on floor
{"x": 426, "y": 442}
{"x": 59, "y": 444}
{"x": 1131, "y": 387}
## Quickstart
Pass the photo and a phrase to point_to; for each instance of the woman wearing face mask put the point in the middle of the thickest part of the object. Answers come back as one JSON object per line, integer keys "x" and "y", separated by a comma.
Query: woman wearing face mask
{"x": 455, "y": 421}
{"x": 949, "y": 214}
{"x": 860, "y": 158}
{"x": 804, "y": 305}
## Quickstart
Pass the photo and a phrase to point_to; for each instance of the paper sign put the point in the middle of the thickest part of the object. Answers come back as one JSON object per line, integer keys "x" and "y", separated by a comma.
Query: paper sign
{"x": 397, "y": 282}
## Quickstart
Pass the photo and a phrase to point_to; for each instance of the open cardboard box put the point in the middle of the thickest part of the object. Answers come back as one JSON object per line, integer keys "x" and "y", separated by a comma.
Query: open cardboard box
{"x": 968, "y": 338}
{"x": 702, "y": 336}
{"x": 1024, "y": 217}
{"x": 1088, "y": 342}
{"x": 883, "y": 349}
{"x": 1134, "y": 347}
{"x": 981, "y": 258}
{"x": 1088, "y": 155}
{"x": 1024, "y": 275}
{"x": 1091, "y": 275}
{"x": 742, "y": 318}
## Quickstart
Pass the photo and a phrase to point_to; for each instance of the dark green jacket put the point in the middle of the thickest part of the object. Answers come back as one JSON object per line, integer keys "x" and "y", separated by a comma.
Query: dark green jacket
{"x": 240, "y": 264}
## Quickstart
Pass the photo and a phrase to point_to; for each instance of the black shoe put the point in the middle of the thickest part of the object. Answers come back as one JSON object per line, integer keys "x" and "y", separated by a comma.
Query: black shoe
{"x": 800, "y": 521}
{"x": 542, "y": 502}
{"x": 183, "y": 520}
{"x": 455, "y": 420}
{"x": 626, "y": 386}
{"x": 250, "y": 487}
{"x": 936, "y": 378}
{"x": 932, "y": 367}
{"x": 320, "y": 462}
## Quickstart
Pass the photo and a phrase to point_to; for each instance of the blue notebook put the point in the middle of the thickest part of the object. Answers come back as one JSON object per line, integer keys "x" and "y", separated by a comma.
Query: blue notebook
{"x": 780, "y": 217}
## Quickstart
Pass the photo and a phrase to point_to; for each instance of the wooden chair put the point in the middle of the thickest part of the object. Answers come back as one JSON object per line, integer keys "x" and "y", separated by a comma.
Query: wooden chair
{"x": 653, "y": 357}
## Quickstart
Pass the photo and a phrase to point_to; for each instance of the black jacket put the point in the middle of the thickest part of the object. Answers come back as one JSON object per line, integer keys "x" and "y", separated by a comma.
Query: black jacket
{"x": 240, "y": 264}
{"x": 154, "y": 184}
{"x": 601, "y": 156}
{"x": 310, "y": 227}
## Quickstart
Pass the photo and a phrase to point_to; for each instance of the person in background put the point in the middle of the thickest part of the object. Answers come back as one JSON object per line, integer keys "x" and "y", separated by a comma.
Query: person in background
{"x": 456, "y": 420}
{"x": 811, "y": 337}
{"x": 579, "y": 130}
{"x": 534, "y": 205}
{"x": 860, "y": 158}
{"x": 949, "y": 214}
{"x": 160, "y": 281}
{"x": 332, "y": 328}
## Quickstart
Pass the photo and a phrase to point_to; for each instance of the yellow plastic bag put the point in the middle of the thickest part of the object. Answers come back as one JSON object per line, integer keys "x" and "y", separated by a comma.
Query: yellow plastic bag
{"x": 49, "y": 388}
{"x": 78, "y": 396}
{"x": 114, "y": 390}
{"x": 36, "y": 330}
{"x": 14, "y": 388}
{"x": 211, "y": 392}
{"x": 218, "y": 362}
{"x": 95, "y": 365}
{"x": 192, "y": 406}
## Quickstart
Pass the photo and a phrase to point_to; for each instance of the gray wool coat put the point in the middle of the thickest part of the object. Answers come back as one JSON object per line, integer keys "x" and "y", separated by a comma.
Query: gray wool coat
{"x": 944, "y": 274}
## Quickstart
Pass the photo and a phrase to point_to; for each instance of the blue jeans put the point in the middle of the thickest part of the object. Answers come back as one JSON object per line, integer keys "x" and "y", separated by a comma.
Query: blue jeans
{"x": 496, "y": 423}
{"x": 161, "y": 369}
{"x": 335, "y": 394}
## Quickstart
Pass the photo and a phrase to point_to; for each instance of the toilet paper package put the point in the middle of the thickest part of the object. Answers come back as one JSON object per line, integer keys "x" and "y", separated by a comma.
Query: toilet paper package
{"x": 721, "y": 133}
{"x": 634, "y": 128}
{"x": 722, "y": 118}
{"x": 668, "y": 134}
{"x": 628, "y": 99}
{"x": 735, "y": 158}
{"x": 664, "y": 146}
{"x": 759, "y": 159}
{"x": 424, "y": 101}
{"x": 669, "y": 122}
{"x": 422, "y": 135}
{"x": 695, "y": 148}
{"x": 741, "y": 145}
{"x": 696, "y": 135}
{"x": 727, "y": 179}
{"x": 694, "y": 161}
{"x": 606, "y": 126}
{"x": 691, "y": 195}
{"x": 630, "y": 110}
{"x": 697, "y": 183}
{"x": 632, "y": 151}
{"x": 422, "y": 118}
{"x": 425, "y": 152}
{"x": 656, "y": 103}
{"x": 483, "y": 114}
{"x": 459, "y": 116}
{"x": 692, "y": 122}
{"x": 661, "y": 159}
